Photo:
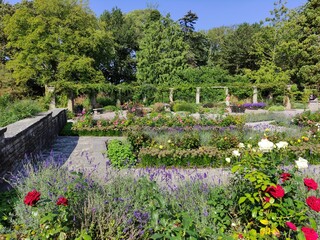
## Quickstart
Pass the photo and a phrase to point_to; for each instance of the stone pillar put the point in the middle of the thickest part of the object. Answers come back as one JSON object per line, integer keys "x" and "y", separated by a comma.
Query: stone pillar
{"x": 93, "y": 100}
{"x": 171, "y": 95}
{"x": 53, "y": 98}
{"x": 226, "y": 91}
{"x": 198, "y": 95}
{"x": 287, "y": 98}
{"x": 70, "y": 102}
{"x": 118, "y": 104}
{"x": 255, "y": 95}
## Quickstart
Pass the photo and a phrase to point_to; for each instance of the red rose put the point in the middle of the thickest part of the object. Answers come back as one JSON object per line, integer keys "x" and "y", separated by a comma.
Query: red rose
{"x": 276, "y": 191}
{"x": 309, "y": 233}
{"x": 32, "y": 198}
{"x": 285, "y": 176}
{"x": 62, "y": 201}
{"x": 313, "y": 203}
{"x": 266, "y": 199}
{"x": 291, "y": 226}
{"x": 310, "y": 183}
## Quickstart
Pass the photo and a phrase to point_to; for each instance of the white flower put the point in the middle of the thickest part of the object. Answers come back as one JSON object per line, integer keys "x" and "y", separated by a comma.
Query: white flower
{"x": 265, "y": 145}
{"x": 228, "y": 160}
{"x": 241, "y": 145}
{"x": 282, "y": 144}
{"x": 236, "y": 153}
{"x": 301, "y": 163}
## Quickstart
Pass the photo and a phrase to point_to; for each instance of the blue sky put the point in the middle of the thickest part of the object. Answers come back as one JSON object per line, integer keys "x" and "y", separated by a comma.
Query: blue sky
{"x": 211, "y": 13}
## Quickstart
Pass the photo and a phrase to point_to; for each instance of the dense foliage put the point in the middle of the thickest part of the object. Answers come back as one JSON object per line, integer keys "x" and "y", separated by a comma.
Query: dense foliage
{"x": 63, "y": 44}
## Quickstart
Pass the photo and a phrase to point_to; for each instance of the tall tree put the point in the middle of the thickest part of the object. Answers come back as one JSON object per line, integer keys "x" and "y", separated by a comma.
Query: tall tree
{"x": 162, "y": 52}
{"x": 55, "y": 42}
{"x": 5, "y": 9}
{"x": 197, "y": 41}
{"x": 122, "y": 66}
{"x": 236, "y": 52}
{"x": 309, "y": 44}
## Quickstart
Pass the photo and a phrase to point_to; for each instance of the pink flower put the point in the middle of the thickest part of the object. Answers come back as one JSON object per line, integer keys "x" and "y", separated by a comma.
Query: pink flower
{"x": 32, "y": 198}
{"x": 291, "y": 226}
{"x": 314, "y": 203}
{"x": 62, "y": 201}
{"x": 309, "y": 233}
{"x": 285, "y": 176}
{"x": 310, "y": 183}
{"x": 276, "y": 191}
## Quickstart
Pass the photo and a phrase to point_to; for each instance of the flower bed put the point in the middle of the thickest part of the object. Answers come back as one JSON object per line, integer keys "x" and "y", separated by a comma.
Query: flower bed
{"x": 116, "y": 126}
{"x": 263, "y": 200}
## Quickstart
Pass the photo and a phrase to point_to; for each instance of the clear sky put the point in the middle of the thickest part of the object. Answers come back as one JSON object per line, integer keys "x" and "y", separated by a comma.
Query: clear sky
{"x": 211, "y": 13}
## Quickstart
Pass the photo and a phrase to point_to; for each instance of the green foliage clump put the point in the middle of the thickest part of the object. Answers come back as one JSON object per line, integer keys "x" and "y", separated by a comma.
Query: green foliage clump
{"x": 276, "y": 108}
{"x": 120, "y": 154}
{"x": 12, "y": 111}
{"x": 185, "y": 107}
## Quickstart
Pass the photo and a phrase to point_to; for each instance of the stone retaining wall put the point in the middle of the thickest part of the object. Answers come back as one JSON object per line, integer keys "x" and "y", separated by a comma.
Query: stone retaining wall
{"x": 28, "y": 136}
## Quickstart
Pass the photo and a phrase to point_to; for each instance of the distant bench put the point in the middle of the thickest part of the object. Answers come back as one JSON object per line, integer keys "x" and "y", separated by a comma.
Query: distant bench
{"x": 97, "y": 110}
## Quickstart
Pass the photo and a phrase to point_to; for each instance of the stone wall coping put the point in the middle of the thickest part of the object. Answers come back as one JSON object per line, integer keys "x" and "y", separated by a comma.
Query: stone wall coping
{"x": 14, "y": 129}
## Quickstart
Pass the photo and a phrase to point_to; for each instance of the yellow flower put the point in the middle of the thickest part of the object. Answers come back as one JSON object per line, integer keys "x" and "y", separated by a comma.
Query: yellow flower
{"x": 160, "y": 146}
{"x": 169, "y": 141}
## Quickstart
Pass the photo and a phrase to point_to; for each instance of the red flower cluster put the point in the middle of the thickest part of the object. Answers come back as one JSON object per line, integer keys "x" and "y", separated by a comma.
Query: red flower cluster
{"x": 309, "y": 233}
{"x": 276, "y": 191}
{"x": 285, "y": 176}
{"x": 62, "y": 201}
{"x": 32, "y": 198}
{"x": 291, "y": 226}
{"x": 310, "y": 183}
{"x": 314, "y": 203}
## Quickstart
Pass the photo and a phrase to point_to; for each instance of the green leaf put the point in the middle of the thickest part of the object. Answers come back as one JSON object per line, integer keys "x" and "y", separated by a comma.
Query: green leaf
{"x": 157, "y": 236}
{"x": 235, "y": 168}
{"x": 241, "y": 200}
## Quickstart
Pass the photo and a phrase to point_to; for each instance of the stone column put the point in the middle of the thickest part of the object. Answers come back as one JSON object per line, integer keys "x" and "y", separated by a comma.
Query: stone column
{"x": 70, "y": 102}
{"x": 53, "y": 98}
{"x": 171, "y": 95}
{"x": 226, "y": 91}
{"x": 93, "y": 100}
{"x": 198, "y": 95}
{"x": 287, "y": 98}
{"x": 255, "y": 95}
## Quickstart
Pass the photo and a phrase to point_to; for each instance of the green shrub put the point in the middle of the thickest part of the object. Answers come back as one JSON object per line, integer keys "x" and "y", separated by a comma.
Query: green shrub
{"x": 14, "y": 111}
{"x": 110, "y": 108}
{"x": 120, "y": 154}
{"x": 188, "y": 140}
{"x": 276, "y": 108}
{"x": 138, "y": 140}
{"x": 158, "y": 107}
{"x": 185, "y": 107}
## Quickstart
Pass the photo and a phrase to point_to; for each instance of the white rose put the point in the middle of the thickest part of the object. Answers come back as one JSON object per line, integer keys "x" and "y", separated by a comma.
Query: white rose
{"x": 241, "y": 145}
{"x": 228, "y": 160}
{"x": 236, "y": 153}
{"x": 265, "y": 145}
{"x": 301, "y": 163}
{"x": 282, "y": 144}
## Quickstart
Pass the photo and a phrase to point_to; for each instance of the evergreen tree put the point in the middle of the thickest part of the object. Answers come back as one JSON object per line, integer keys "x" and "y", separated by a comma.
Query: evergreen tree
{"x": 162, "y": 52}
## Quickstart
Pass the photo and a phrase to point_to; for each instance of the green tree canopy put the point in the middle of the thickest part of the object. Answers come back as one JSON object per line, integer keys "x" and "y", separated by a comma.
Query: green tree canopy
{"x": 55, "y": 42}
{"x": 162, "y": 52}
